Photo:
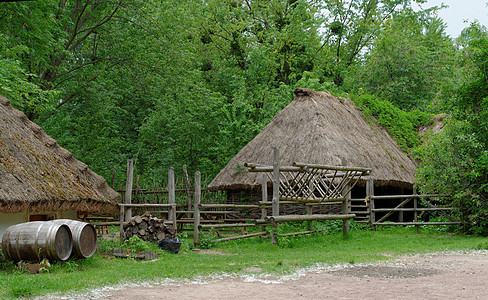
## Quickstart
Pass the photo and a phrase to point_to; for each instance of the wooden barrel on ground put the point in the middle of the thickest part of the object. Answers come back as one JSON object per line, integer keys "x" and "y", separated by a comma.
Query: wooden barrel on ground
{"x": 84, "y": 237}
{"x": 36, "y": 240}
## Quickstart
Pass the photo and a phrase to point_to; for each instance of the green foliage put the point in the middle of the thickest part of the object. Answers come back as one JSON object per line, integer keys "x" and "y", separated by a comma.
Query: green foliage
{"x": 401, "y": 125}
{"x": 455, "y": 161}
{"x": 207, "y": 241}
{"x": 409, "y": 61}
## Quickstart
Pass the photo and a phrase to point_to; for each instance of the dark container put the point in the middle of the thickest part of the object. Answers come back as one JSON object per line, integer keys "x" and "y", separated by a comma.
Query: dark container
{"x": 34, "y": 241}
{"x": 170, "y": 245}
{"x": 84, "y": 237}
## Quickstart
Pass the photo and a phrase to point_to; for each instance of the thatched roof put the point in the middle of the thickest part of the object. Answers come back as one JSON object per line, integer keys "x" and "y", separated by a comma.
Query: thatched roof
{"x": 317, "y": 127}
{"x": 36, "y": 174}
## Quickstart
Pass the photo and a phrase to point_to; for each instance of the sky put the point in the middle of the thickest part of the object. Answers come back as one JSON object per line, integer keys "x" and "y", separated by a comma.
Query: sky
{"x": 459, "y": 11}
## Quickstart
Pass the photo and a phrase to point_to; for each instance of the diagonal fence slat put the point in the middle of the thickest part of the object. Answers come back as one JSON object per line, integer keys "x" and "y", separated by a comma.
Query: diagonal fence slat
{"x": 313, "y": 182}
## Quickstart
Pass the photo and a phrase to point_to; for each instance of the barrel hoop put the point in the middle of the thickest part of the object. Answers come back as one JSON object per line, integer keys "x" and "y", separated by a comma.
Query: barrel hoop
{"x": 36, "y": 242}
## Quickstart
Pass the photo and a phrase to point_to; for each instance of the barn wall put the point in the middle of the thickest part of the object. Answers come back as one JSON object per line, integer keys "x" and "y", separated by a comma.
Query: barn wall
{"x": 7, "y": 220}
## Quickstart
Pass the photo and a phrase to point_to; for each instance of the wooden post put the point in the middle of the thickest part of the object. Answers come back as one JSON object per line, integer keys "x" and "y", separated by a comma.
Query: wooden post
{"x": 188, "y": 187}
{"x": 196, "y": 211}
{"x": 370, "y": 201}
{"x": 345, "y": 204}
{"x": 415, "y": 213}
{"x": 276, "y": 193}
{"x": 264, "y": 195}
{"x": 122, "y": 233}
{"x": 128, "y": 188}
{"x": 171, "y": 196}
{"x": 309, "y": 212}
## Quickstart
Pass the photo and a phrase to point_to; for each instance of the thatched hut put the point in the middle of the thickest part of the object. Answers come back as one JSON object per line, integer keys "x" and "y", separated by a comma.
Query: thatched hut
{"x": 317, "y": 127}
{"x": 39, "y": 180}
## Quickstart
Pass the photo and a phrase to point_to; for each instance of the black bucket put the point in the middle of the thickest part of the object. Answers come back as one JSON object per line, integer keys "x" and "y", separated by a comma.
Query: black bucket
{"x": 170, "y": 245}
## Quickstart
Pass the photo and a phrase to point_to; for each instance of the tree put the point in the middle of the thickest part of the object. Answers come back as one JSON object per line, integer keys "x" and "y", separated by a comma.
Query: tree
{"x": 409, "y": 61}
{"x": 456, "y": 161}
{"x": 352, "y": 26}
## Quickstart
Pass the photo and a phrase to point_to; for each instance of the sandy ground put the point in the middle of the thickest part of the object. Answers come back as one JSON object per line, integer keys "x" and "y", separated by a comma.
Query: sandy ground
{"x": 434, "y": 276}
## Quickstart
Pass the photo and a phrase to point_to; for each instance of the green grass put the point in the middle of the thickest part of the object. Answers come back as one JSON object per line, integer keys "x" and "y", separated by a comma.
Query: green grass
{"x": 360, "y": 246}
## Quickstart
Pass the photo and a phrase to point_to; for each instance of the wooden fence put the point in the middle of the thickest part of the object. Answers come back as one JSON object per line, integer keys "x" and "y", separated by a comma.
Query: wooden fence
{"x": 312, "y": 186}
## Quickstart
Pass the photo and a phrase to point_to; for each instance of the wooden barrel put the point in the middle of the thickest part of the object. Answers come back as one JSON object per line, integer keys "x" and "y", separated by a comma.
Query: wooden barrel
{"x": 84, "y": 237}
{"x": 34, "y": 241}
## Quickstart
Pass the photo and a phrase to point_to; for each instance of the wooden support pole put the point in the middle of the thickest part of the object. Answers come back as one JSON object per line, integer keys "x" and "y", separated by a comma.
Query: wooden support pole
{"x": 276, "y": 193}
{"x": 122, "y": 233}
{"x": 345, "y": 204}
{"x": 196, "y": 209}
{"x": 187, "y": 187}
{"x": 171, "y": 196}
{"x": 128, "y": 188}
{"x": 309, "y": 212}
{"x": 415, "y": 212}
{"x": 264, "y": 195}
{"x": 370, "y": 201}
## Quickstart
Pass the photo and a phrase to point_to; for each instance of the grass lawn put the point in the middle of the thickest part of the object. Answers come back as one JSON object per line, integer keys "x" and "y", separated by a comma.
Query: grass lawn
{"x": 293, "y": 252}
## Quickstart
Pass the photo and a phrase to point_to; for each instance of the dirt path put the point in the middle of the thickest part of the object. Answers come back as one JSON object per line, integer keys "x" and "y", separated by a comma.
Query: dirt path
{"x": 435, "y": 276}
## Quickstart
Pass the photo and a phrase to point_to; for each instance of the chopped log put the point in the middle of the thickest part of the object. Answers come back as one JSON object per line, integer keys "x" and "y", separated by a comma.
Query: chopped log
{"x": 141, "y": 232}
{"x": 143, "y": 226}
{"x": 138, "y": 219}
{"x": 128, "y": 234}
{"x": 134, "y": 229}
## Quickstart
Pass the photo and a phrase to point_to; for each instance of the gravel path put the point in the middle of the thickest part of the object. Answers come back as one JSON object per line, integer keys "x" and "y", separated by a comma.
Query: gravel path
{"x": 433, "y": 276}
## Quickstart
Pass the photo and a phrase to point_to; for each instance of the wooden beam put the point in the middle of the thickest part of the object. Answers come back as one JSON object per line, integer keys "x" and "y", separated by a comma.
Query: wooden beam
{"x": 241, "y": 236}
{"x": 293, "y": 218}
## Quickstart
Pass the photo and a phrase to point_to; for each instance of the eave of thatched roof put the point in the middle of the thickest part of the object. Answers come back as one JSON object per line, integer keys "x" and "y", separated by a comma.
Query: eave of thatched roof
{"x": 36, "y": 174}
{"x": 317, "y": 127}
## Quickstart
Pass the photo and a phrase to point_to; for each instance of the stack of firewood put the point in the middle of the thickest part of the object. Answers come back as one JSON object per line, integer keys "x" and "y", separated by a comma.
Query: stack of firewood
{"x": 148, "y": 228}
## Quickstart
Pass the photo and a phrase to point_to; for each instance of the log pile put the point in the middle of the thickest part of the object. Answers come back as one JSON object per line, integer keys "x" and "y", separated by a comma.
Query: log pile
{"x": 148, "y": 228}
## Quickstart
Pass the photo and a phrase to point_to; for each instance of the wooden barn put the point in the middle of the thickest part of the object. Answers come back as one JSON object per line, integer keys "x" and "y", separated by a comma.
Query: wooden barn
{"x": 319, "y": 128}
{"x": 39, "y": 180}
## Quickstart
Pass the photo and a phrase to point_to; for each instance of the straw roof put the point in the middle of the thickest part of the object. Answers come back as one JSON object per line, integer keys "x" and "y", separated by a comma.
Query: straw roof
{"x": 36, "y": 174}
{"x": 317, "y": 127}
